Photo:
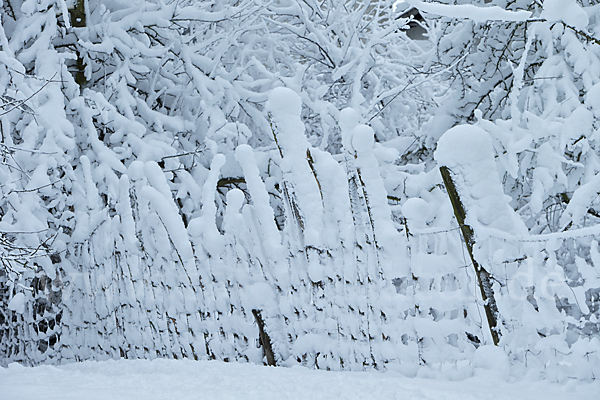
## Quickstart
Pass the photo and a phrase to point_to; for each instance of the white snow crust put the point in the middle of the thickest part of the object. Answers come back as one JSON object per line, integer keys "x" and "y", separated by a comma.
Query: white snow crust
{"x": 17, "y": 303}
{"x": 567, "y": 11}
{"x": 468, "y": 152}
{"x": 186, "y": 379}
{"x": 472, "y": 12}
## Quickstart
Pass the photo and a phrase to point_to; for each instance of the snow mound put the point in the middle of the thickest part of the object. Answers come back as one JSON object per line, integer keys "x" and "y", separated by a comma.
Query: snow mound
{"x": 567, "y": 11}
{"x": 186, "y": 379}
{"x": 284, "y": 101}
{"x": 472, "y": 12}
{"x": 17, "y": 303}
{"x": 468, "y": 152}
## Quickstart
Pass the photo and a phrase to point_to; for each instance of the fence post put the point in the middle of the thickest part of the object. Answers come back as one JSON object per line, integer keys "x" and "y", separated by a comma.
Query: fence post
{"x": 483, "y": 276}
{"x": 265, "y": 340}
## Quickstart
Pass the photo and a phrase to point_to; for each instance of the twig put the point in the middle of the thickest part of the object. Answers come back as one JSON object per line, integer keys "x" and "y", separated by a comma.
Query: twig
{"x": 408, "y": 85}
{"x": 30, "y": 97}
{"x": 33, "y": 190}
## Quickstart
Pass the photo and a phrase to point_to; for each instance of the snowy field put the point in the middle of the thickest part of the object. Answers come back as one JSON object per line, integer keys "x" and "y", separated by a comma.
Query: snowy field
{"x": 185, "y": 379}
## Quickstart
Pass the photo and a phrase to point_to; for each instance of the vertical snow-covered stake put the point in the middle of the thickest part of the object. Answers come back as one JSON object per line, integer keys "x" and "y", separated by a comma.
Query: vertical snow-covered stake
{"x": 465, "y": 156}
{"x": 265, "y": 340}
{"x": 301, "y": 186}
{"x": 483, "y": 276}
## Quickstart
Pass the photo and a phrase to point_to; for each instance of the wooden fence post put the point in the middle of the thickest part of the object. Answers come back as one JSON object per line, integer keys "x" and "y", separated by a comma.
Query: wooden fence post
{"x": 483, "y": 276}
{"x": 265, "y": 340}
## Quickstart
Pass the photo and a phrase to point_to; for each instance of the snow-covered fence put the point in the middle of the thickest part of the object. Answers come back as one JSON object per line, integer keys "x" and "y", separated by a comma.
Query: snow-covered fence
{"x": 345, "y": 281}
{"x": 337, "y": 288}
{"x": 121, "y": 173}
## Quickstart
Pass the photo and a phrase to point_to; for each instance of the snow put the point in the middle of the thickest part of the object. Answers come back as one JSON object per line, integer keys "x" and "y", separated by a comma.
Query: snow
{"x": 284, "y": 107}
{"x": 186, "y": 379}
{"x": 270, "y": 238}
{"x": 581, "y": 201}
{"x": 363, "y": 139}
{"x": 567, "y": 11}
{"x": 416, "y": 210}
{"x": 349, "y": 120}
{"x": 468, "y": 152}
{"x": 171, "y": 220}
{"x": 17, "y": 303}
{"x": 472, "y": 12}
{"x": 205, "y": 226}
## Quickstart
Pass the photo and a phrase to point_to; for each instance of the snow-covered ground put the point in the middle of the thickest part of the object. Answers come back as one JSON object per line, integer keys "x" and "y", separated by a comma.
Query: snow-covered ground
{"x": 186, "y": 379}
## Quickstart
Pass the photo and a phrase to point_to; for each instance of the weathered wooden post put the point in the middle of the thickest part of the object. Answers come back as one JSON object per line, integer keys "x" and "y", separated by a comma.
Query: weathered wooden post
{"x": 483, "y": 276}
{"x": 466, "y": 159}
{"x": 265, "y": 340}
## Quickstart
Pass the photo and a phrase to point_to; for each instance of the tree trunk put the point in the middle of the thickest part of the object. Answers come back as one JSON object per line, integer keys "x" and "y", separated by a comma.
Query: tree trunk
{"x": 78, "y": 20}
